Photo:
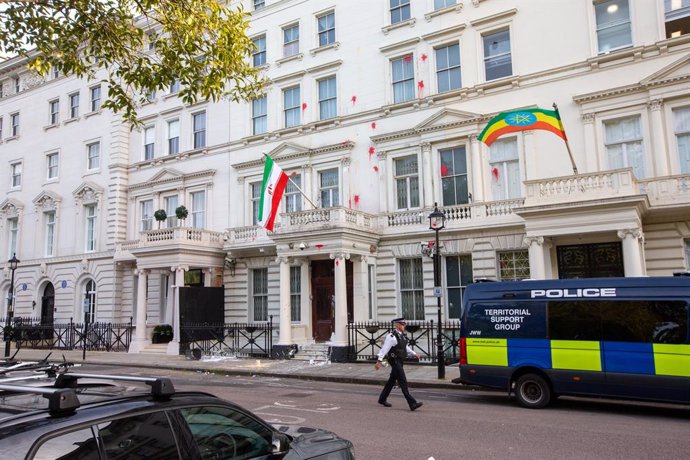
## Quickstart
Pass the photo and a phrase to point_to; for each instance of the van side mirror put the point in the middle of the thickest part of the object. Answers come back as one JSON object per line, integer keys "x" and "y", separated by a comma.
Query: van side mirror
{"x": 281, "y": 445}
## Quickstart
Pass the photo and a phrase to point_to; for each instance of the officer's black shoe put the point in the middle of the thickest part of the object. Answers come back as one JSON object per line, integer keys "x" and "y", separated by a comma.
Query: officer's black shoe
{"x": 416, "y": 406}
{"x": 385, "y": 403}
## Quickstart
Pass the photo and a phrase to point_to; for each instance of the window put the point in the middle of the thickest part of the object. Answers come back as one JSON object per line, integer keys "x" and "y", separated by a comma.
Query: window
{"x": 291, "y": 106}
{"x": 677, "y": 17}
{"x": 199, "y": 125}
{"x": 139, "y": 436}
{"x": 171, "y": 203}
{"x": 74, "y": 105}
{"x": 54, "y": 107}
{"x": 256, "y": 200}
{"x": 175, "y": 86}
{"x": 613, "y": 25}
{"x": 497, "y": 57}
{"x": 295, "y": 294}
{"x": 199, "y": 209}
{"x": 93, "y": 155}
{"x": 260, "y": 115}
{"x": 403, "y": 79}
{"x": 89, "y": 302}
{"x": 327, "y": 98}
{"x": 90, "y": 215}
{"x": 448, "y": 68}
{"x": 291, "y": 40}
{"x": 75, "y": 444}
{"x": 259, "y": 55}
{"x": 412, "y": 289}
{"x": 454, "y": 176}
{"x": 682, "y": 131}
{"x": 12, "y": 236}
{"x": 260, "y": 293}
{"x": 407, "y": 182}
{"x": 513, "y": 265}
{"x": 326, "y": 29}
{"x": 149, "y": 142}
{"x": 400, "y": 10}
{"x": 173, "y": 137}
{"x": 95, "y": 98}
{"x": 146, "y": 212}
{"x": 293, "y": 197}
{"x": 150, "y": 96}
{"x": 16, "y": 174}
{"x": 687, "y": 254}
{"x": 53, "y": 159}
{"x": 624, "y": 145}
{"x": 328, "y": 188}
{"x": 458, "y": 276}
{"x": 49, "y": 244}
{"x": 17, "y": 84}
{"x": 440, "y": 4}
{"x": 14, "y": 122}
{"x": 258, "y": 4}
{"x": 2, "y": 87}
{"x": 505, "y": 169}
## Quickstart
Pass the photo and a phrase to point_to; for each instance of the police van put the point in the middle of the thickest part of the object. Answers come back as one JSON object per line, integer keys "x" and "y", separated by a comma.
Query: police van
{"x": 613, "y": 337}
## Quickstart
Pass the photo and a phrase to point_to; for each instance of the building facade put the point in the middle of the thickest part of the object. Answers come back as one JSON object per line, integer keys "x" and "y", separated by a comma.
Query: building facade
{"x": 373, "y": 110}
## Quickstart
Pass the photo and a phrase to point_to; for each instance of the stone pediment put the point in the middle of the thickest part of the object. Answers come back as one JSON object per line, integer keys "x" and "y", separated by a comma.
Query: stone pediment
{"x": 166, "y": 174}
{"x": 287, "y": 150}
{"x": 88, "y": 192}
{"x": 47, "y": 200}
{"x": 447, "y": 118}
{"x": 11, "y": 208}
{"x": 673, "y": 73}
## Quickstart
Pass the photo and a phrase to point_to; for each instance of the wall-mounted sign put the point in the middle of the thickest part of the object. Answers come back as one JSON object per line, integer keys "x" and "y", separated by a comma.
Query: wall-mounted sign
{"x": 63, "y": 284}
{"x": 24, "y": 287}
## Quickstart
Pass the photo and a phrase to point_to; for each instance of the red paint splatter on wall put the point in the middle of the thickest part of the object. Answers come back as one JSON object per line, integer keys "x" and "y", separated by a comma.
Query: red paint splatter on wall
{"x": 337, "y": 262}
{"x": 354, "y": 99}
{"x": 424, "y": 56}
{"x": 376, "y": 168}
{"x": 319, "y": 246}
{"x": 444, "y": 170}
{"x": 408, "y": 59}
{"x": 293, "y": 174}
{"x": 373, "y": 125}
{"x": 494, "y": 172}
{"x": 371, "y": 151}
{"x": 356, "y": 200}
{"x": 420, "y": 84}
{"x": 304, "y": 106}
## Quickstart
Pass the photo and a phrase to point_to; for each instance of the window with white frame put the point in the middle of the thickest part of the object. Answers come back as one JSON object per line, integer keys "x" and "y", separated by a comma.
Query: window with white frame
{"x": 260, "y": 294}
{"x": 49, "y": 242}
{"x": 407, "y": 182}
{"x": 259, "y": 53}
{"x": 95, "y": 98}
{"x": 150, "y": 96}
{"x": 14, "y": 122}
{"x": 326, "y": 25}
{"x": 291, "y": 106}
{"x": 411, "y": 289}
{"x": 173, "y": 137}
{"x": 504, "y": 163}
{"x": 16, "y": 178}
{"x": 146, "y": 214}
{"x": 290, "y": 40}
{"x": 682, "y": 132}
{"x": 295, "y": 294}
{"x": 513, "y": 265}
{"x": 400, "y": 10}
{"x": 93, "y": 155}
{"x": 293, "y": 197}
{"x": 613, "y": 25}
{"x": 454, "y": 187}
{"x": 497, "y": 56}
{"x": 677, "y": 17}
{"x": 329, "y": 188}
{"x": 458, "y": 277}
{"x": 90, "y": 231}
{"x": 52, "y": 160}
{"x": 440, "y": 4}
{"x": 255, "y": 189}
{"x": 74, "y": 105}
{"x": 448, "y": 68}
{"x": 403, "y": 79}
{"x": 328, "y": 107}
{"x": 199, "y": 127}
{"x": 258, "y": 4}
{"x": 260, "y": 115}
{"x": 89, "y": 302}
{"x": 174, "y": 86}
{"x": 199, "y": 209}
{"x": 12, "y": 236}
{"x": 54, "y": 108}
{"x": 624, "y": 148}
{"x": 149, "y": 142}
{"x": 170, "y": 203}
{"x": 17, "y": 84}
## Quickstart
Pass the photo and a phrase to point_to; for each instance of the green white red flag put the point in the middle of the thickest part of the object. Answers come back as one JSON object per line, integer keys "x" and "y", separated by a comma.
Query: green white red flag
{"x": 272, "y": 190}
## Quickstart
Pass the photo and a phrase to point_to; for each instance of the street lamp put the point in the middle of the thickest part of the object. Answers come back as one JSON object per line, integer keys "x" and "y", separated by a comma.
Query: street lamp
{"x": 10, "y": 304}
{"x": 437, "y": 220}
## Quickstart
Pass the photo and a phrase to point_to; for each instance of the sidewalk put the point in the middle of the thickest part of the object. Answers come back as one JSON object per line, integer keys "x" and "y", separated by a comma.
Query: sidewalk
{"x": 417, "y": 375}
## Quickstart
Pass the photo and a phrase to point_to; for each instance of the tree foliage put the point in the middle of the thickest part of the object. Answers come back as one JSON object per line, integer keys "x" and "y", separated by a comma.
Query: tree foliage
{"x": 137, "y": 47}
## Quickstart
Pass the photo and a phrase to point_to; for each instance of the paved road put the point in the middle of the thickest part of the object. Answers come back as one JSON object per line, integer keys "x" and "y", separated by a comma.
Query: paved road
{"x": 456, "y": 424}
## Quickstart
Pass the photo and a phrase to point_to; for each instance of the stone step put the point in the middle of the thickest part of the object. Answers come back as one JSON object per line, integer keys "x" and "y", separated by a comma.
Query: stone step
{"x": 156, "y": 349}
{"x": 310, "y": 358}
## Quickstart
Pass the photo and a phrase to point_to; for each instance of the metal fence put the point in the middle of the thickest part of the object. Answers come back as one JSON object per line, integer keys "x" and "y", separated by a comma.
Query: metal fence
{"x": 228, "y": 339}
{"x": 365, "y": 339}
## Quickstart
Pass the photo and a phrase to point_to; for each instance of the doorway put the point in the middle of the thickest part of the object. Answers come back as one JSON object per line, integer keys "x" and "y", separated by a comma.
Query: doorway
{"x": 590, "y": 261}
{"x": 48, "y": 305}
{"x": 323, "y": 297}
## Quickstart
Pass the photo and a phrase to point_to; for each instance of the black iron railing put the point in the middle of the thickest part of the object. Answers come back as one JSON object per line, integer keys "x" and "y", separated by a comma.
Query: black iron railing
{"x": 365, "y": 340}
{"x": 228, "y": 339}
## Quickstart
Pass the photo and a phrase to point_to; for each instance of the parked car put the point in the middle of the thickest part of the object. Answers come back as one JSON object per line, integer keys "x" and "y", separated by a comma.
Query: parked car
{"x": 92, "y": 416}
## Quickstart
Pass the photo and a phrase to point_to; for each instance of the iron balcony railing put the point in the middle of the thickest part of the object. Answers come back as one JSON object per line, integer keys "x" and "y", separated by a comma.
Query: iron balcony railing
{"x": 228, "y": 339}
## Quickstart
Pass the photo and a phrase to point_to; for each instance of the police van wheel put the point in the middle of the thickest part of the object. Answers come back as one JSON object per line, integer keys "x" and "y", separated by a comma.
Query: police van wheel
{"x": 532, "y": 391}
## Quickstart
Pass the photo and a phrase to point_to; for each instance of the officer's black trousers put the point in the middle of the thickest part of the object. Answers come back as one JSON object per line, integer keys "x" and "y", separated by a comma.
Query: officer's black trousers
{"x": 397, "y": 374}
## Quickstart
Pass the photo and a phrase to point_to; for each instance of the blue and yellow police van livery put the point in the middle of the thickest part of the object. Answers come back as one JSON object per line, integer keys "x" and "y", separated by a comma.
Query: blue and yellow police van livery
{"x": 613, "y": 337}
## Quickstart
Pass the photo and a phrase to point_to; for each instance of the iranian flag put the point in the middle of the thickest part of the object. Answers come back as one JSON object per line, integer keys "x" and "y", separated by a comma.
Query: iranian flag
{"x": 272, "y": 190}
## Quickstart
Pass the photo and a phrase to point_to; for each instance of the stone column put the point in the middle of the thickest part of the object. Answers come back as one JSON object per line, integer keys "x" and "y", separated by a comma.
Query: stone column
{"x": 285, "y": 331}
{"x": 590, "y": 143}
{"x": 360, "y": 288}
{"x": 660, "y": 157}
{"x": 427, "y": 176}
{"x": 174, "y": 344}
{"x": 632, "y": 251}
{"x": 345, "y": 176}
{"x": 339, "y": 341}
{"x": 536, "y": 257}
{"x": 140, "y": 339}
{"x": 477, "y": 168}
{"x": 305, "y": 297}
{"x": 383, "y": 183}
{"x": 208, "y": 276}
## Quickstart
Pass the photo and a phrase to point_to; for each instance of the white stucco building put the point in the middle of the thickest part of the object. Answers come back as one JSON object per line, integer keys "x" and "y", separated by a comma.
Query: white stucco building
{"x": 374, "y": 108}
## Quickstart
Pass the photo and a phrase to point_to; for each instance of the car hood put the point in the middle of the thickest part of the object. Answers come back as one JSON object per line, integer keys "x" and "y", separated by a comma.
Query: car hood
{"x": 308, "y": 442}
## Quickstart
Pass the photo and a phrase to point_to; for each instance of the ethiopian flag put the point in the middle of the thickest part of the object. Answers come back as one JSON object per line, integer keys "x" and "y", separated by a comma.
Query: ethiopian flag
{"x": 272, "y": 190}
{"x": 522, "y": 120}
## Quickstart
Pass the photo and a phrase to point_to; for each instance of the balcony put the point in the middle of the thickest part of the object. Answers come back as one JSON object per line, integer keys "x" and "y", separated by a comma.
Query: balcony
{"x": 165, "y": 239}
{"x": 326, "y": 218}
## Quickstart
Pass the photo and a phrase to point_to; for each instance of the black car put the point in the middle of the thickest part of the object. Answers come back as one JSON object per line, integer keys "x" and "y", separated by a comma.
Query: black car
{"x": 87, "y": 419}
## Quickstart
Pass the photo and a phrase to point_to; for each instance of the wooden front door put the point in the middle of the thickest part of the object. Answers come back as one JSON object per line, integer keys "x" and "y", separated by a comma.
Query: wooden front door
{"x": 48, "y": 305}
{"x": 323, "y": 297}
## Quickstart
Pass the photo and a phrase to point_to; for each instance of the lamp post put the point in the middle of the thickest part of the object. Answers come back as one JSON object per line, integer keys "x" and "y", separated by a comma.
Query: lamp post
{"x": 10, "y": 304}
{"x": 437, "y": 220}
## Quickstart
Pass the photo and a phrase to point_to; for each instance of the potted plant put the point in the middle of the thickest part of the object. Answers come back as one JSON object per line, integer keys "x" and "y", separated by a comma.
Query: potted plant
{"x": 181, "y": 212}
{"x": 160, "y": 216}
{"x": 163, "y": 333}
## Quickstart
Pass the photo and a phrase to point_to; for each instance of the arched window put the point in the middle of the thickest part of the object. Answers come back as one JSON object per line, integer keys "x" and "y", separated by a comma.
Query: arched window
{"x": 89, "y": 302}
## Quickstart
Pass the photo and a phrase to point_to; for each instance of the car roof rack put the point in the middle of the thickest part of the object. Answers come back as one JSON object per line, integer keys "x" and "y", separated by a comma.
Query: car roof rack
{"x": 161, "y": 387}
{"x": 60, "y": 400}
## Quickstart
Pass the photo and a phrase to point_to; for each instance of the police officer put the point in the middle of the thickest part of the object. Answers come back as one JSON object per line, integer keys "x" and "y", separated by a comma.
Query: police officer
{"x": 396, "y": 349}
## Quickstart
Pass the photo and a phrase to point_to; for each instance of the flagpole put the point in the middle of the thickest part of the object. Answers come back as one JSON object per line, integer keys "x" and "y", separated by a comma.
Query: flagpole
{"x": 298, "y": 188}
{"x": 567, "y": 144}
